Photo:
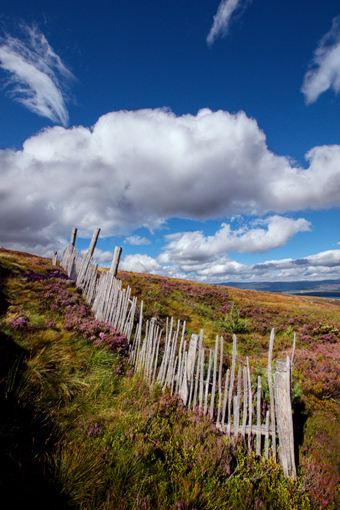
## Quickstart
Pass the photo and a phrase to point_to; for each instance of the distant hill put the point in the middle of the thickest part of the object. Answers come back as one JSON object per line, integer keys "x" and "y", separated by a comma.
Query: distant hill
{"x": 320, "y": 288}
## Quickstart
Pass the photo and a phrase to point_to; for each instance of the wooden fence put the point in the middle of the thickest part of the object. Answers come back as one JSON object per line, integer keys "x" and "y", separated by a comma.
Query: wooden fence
{"x": 257, "y": 408}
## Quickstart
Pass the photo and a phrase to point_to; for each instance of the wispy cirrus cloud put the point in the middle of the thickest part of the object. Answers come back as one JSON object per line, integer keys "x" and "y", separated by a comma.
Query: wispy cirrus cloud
{"x": 37, "y": 76}
{"x": 222, "y": 18}
{"x": 325, "y": 66}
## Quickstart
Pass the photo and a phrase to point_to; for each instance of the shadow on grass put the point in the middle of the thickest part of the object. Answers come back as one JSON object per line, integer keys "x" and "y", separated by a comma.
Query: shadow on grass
{"x": 24, "y": 480}
{"x": 300, "y": 417}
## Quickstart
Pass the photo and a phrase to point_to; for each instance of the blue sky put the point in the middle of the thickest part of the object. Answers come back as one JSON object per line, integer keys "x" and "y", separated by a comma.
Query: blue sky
{"x": 201, "y": 136}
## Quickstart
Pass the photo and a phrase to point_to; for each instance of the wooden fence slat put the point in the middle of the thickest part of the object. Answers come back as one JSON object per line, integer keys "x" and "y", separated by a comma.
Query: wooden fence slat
{"x": 231, "y": 383}
{"x": 220, "y": 383}
{"x": 207, "y": 383}
{"x": 236, "y": 415}
{"x": 153, "y": 351}
{"x": 292, "y": 467}
{"x": 258, "y": 435}
{"x": 226, "y": 387}
{"x": 184, "y": 386}
{"x": 245, "y": 402}
{"x": 191, "y": 365}
{"x": 250, "y": 407}
{"x": 169, "y": 352}
{"x": 261, "y": 430}
{"x": 178, "y": 376}
{"x": 266, "y": 444}
{"x": 172, "y": 355}
{"x": 156, "y": 358}
{"x": 282, "y": 446}
{"x": 214, "y": 380}
{"x": 198, "y": 366}
{"x": 271, "y": 393}
{"x": 201, "y": 379}
{"x": 162, "y": 373}
{"x": 293, "y": 353}
{"x": 173, "y": 343}
{"x": 173, "y": 375}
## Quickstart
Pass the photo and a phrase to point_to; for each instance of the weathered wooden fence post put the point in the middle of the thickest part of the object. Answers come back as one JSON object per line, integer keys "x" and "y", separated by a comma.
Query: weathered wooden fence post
{"x": 93, "y": 242}
{"x": 115, "y": 260}
{"x": 73, "y": 237}
{"x": 284, "y": 417}
{"x": 271, "y": 393}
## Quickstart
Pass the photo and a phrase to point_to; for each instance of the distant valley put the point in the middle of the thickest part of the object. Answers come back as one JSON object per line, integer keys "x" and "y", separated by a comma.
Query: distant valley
{"x": 320, "y": 288}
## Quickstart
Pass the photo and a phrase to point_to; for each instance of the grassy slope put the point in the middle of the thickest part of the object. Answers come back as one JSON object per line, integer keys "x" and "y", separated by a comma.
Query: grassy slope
{"x": 102, "y": 439}
{"x": 316, "y": 373}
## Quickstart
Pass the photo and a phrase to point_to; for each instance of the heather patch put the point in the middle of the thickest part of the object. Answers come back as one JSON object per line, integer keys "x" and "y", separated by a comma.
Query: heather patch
{"x": 63, "y": 297}
{"x": 320, "y": 370}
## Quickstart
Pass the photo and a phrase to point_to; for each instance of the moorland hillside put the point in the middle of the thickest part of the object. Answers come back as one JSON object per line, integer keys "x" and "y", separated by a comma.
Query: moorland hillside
{"x": 80, "y": 429}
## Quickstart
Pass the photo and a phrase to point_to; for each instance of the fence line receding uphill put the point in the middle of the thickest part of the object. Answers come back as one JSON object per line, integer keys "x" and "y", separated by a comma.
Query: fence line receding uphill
{"x": 258, "y": 409}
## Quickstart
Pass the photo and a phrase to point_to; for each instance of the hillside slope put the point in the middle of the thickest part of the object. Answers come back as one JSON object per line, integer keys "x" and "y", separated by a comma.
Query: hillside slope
{"x": 104, "y": 441}
{"x": 251, "y": 315}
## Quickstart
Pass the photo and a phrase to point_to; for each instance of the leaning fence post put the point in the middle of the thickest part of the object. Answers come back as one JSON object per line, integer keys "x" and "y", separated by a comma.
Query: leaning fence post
{"x": 93, "y": 242}
{"x": 73, "y": 237}
{"x": 115, "y": 260}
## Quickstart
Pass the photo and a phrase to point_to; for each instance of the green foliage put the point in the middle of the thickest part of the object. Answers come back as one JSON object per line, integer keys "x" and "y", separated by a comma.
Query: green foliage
{"x": 232, "y": 323}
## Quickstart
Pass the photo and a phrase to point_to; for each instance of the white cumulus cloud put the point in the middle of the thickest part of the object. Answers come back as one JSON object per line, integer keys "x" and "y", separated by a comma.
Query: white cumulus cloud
{"x": 223, "y": 17}
{"x": 190, "y": 248}
{"x": 325, "y": 67}
{"x": 321, "y": 265}
{"x": 37, "y": 76}
{"x": 221, "y": 269}
{"x": 140, "y": 264}
{"x": 102, "y": 257}
{"x": 140, "y": 168}
{"x": 137, "y": 240}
